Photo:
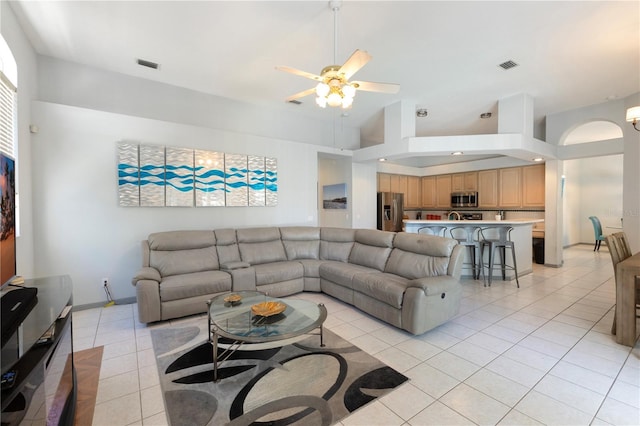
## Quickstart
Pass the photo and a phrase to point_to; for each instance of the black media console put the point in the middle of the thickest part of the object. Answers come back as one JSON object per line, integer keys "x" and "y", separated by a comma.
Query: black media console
{"x": 38, "y": 376}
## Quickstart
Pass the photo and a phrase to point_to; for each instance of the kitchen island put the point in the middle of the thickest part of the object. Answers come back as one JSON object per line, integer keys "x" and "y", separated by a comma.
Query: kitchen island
{"x": 521, "y": 236}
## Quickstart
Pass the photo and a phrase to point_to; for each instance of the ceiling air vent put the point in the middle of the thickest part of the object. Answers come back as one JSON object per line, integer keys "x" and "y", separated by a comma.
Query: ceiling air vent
{"x": 295, "y": 102}
{"x": 148, "y": 64}
{"x": 508, "y": 65}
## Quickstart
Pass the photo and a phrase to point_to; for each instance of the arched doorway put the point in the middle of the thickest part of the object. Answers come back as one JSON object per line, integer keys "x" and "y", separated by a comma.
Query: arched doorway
{"x": 592, "y": 185}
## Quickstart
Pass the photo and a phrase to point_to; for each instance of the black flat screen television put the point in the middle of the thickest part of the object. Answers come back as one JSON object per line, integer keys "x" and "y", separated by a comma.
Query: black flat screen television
{"x": 8, "y": 219}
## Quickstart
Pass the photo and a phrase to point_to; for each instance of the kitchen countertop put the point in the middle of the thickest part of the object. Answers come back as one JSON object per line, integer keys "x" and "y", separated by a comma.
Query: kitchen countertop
{"x": 510, "y": 222}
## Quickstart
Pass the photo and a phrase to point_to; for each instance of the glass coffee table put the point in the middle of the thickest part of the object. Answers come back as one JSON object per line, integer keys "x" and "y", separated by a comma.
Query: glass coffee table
{"x": 231, "y": 315}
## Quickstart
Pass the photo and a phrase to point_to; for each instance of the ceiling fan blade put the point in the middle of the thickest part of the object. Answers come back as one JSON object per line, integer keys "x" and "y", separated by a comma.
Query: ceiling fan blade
{"x": 301, "y": 94}
{"x": 300, "y": 73}
{"x": 369, "y": 86}
{"x": 357, "y": 60}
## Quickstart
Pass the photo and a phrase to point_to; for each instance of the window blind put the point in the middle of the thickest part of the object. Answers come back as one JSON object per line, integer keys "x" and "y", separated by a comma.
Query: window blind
{"x": 7, "y": 116}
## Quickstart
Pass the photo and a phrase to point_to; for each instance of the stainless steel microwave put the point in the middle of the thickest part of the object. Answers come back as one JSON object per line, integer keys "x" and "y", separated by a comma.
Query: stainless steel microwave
{"x": 464, "y": 199}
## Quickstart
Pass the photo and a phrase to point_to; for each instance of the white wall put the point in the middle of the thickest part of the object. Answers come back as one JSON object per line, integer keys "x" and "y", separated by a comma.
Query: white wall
{"x": 333, "y": 170}
{"x": 365, "y": 187}
{"x": 26, "y": 60}
{"x": 80, "y": 228}
{"x": 70, "y": 83}
{"x": 593, "y": 187}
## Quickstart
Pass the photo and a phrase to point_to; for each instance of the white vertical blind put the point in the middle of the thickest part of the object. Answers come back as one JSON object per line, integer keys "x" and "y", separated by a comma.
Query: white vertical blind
{"x": 7, "y": 116}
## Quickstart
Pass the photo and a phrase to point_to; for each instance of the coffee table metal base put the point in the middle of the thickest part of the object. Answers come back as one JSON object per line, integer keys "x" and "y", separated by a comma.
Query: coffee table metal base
{"x": 233, "y": 347}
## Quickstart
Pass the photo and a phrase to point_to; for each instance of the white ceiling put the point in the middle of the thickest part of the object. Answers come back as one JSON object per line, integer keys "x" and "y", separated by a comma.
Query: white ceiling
{"x": 444, "y": 54}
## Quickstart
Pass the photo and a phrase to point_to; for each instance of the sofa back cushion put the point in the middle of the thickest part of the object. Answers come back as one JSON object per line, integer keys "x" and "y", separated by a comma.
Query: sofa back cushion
{"x": 336, "y": 243}
{"x": 181, "y": 240}
{"x": 183, "y": 252}
{"x": 260, "y": 245}
{"x": 372, "y": 248}
{"x": 227, "y": 246}
{"x": 420, "y": 255}
{"x": 301, "y": 242}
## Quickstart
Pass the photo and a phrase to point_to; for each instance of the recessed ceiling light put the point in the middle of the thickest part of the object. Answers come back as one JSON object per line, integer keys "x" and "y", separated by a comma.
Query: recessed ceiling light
{"x": 422, "y": 113}
{"x": 485, "y": 115}
{"x": 382, "y": 160}
{"x": 538, "y": 159}
{"x": 457, "y": 153}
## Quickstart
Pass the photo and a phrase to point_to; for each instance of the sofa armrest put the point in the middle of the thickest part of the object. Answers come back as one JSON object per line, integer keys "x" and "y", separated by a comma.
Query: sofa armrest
{"x": 148, "y": 299}
{"x": 434, "y": 285}
{"x": 147, "y": 273}
{"x": 230, "y": 266}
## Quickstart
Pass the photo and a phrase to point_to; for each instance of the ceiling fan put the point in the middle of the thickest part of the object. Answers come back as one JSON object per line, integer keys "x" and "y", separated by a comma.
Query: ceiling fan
{"x": 334, "y": 87}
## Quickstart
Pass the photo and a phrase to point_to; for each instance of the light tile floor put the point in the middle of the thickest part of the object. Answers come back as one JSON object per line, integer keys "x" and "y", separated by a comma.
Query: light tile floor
{"x": 541, "y": 354}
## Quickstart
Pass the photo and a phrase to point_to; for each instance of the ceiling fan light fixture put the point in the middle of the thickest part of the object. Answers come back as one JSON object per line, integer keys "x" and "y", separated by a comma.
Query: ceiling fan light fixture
{"x": 334, "y": 88}
{"x": 334, "y": 99}
{"x": 321, "y": 101}
{"x": 322, "y": 89}
{"x": 348, "y": 91}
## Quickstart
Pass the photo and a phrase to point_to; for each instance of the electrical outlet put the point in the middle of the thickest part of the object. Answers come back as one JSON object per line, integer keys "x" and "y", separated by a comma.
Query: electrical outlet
{"x": 105, "y": 281}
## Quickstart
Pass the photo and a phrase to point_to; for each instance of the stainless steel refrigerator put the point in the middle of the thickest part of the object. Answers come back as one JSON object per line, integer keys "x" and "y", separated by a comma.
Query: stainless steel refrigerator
{"x": 390, "y": 211}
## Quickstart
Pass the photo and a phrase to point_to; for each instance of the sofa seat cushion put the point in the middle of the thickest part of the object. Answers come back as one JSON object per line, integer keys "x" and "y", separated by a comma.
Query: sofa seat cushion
{"x": 342, "y": 273}
{"x": 387, "y": 288}
{"x": 270, "y": 273}
{"x": 178, "y": 287}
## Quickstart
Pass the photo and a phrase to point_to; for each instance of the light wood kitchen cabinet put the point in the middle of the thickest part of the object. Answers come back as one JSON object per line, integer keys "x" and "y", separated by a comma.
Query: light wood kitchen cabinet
{"x": 488, "y": 188}
{"x": 533, "y": 186}
{"x": 510, "y": 187}
{"x": 412, "y": 196}
{"x": 399, "y": 184}
{"x": 471, "y": 181}
{"x": 428, "y": 191}
{"x": 384, "y": 182}
{"x": 457, "y": 182}
{"x": 443, "y": 188}
{"x": 464, "y": 181}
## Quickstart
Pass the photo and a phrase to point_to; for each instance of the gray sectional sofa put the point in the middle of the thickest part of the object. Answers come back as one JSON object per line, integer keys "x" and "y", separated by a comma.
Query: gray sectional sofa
{"x": 408, "y": 280}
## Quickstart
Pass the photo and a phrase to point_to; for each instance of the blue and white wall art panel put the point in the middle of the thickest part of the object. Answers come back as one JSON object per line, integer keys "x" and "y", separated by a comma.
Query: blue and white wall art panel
{"x": 128, "y": 175}
{"x": 256, "y": 180}
{"x": 179, "y": 177}
{"x": 152, "y": 176}
{"x": 209, "y": 172}
{"x": 271, "y": 181}
{"x": 236, "y": 179}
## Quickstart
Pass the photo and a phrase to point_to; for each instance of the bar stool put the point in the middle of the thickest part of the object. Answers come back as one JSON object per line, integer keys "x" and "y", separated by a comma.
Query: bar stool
{"x": 433, "y": 230}
{"x": 465, "y": 236}
{"x": 502, "y": 242}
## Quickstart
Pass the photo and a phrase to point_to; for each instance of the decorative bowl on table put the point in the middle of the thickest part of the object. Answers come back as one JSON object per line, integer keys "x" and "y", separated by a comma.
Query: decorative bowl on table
{"x": 233, "y": 299}
{"x": 267, "y": 309}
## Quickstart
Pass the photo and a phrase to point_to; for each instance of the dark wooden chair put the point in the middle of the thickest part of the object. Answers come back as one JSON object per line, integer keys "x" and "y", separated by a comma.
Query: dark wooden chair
{"x": 620, "y": 250}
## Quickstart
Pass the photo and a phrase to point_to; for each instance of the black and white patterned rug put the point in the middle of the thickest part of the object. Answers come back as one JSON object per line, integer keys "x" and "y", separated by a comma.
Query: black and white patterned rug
{"x": 299, "y": 383}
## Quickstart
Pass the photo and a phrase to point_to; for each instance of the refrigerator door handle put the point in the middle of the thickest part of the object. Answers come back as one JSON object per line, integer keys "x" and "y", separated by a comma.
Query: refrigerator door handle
{"x": 395, "y": 212}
